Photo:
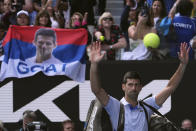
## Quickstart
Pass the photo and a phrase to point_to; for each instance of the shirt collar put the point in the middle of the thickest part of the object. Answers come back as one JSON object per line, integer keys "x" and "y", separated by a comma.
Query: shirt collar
{"x": 124, "y": 102}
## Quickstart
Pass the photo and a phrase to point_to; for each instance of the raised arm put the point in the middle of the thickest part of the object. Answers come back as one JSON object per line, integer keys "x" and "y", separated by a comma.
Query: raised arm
{"x": 172, "y": 11}
{"x": 120, "y": 44}
{"x": 174, "y": 81}
{"x": 95, "y": 58}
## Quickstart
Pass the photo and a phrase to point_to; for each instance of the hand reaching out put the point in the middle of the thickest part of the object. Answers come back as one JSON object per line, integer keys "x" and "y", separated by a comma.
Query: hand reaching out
{"x": 84, "y": 21}
{"x": 128, "y": 3}
{"x": 183, "y": 55}
{"x": 96, "y": 56}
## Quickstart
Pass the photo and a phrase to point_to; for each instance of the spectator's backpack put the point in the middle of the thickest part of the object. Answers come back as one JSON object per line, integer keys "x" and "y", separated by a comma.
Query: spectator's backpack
{"x": 98, "y": 119}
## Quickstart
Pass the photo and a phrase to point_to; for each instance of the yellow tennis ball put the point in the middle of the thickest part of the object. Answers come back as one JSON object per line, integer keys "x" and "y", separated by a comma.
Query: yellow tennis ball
{"x": 151, "y": 40}
{"x": 132, "y": 23}
{"x": 102, "y": 38}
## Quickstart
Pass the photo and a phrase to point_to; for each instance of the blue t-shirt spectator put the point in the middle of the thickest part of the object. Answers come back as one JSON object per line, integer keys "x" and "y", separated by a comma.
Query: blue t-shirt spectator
{"x": 185, "y": 28}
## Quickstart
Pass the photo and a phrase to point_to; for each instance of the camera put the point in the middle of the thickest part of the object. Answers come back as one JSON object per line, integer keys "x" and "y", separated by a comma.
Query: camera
{"x": 144, "y": 9}
{"x": 144, "y": 12}
{"x": 37, "y": 126}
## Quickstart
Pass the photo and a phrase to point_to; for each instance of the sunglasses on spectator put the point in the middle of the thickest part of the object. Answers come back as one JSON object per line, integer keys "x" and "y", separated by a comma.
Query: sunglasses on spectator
{"x": 108, "y": 18}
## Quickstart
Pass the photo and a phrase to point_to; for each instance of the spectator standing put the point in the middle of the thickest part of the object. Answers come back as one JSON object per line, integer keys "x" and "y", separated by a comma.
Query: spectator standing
{"x": 40, "y": 5}
{"x": 63, "y": 11}
{"x": 184, "y": 26}
{"x": 43, "y": 4}
{"x": 28, "y": 6}
{"x": 158, "y": 11}
{"x": 43, "y": 19}
{"x": 136, "y": 34}
{"x": 128, "y": 18}
{"x": 9, "y": 15}
{"x": 56, "y": 23}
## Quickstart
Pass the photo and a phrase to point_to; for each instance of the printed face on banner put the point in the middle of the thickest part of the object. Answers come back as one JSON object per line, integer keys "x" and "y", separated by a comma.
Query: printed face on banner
{"x": 44, "y": 46}
{"x": 45, "y": 42}
{"x": 29, "y": 50}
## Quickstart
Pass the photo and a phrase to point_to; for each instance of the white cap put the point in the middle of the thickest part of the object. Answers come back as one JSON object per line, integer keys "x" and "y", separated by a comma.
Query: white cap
{"x": 22, "y": 12}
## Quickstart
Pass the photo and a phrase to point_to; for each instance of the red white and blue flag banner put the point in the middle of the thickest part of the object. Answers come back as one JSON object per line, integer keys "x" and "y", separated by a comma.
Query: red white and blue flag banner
{"x": 20, "y": 53}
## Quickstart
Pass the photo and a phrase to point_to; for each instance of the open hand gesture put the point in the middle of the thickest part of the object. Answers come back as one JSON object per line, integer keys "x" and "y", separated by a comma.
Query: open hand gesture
{"x": 96, "y": 55}
{"x": 183, "y": 55}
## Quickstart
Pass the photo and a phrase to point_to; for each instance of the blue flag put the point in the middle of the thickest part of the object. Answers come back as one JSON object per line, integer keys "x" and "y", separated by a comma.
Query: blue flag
{"x": 31, "y": 49}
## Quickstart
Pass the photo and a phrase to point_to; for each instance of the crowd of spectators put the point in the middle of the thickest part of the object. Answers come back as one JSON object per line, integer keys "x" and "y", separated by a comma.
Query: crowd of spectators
{"x": 119, "y": 42}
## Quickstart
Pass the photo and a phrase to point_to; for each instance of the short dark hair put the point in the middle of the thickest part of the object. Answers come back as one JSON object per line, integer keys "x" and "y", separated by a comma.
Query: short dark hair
{"x": 30, "y": 114}
{"x": 26, "y": 112}
{"x": 131, "y": 75}
{"x": 46, "y": 32}
{"x": 185, "y": 7}
{"x": 67, "y": 121}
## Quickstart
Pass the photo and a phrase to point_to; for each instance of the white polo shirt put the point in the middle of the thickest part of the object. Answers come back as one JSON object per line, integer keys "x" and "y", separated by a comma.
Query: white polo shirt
{"x": 135, "y": 119}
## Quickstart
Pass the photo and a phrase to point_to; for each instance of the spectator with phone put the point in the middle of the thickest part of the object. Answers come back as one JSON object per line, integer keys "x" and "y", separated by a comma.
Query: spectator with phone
{"x": 136, "y": 34}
